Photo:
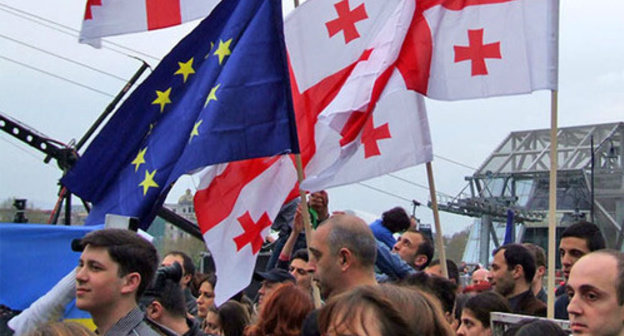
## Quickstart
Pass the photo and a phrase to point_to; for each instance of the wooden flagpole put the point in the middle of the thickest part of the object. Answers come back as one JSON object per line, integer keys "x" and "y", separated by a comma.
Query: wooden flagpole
{"x": 552, "y": 206}
{"x": 307, "y": 226}
{"x": 436, "y": 219}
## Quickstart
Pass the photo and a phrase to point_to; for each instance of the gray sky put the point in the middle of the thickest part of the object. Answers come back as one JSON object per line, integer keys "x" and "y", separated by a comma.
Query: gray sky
{"x": 591, "y": 90}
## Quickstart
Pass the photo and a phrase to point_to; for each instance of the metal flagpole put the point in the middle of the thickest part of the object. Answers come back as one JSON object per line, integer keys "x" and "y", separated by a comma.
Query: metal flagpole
{"x": 436, "y": 219}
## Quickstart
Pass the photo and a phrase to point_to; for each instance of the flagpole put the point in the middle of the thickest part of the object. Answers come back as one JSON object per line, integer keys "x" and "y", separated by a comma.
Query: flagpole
{"x": 552, "y": 205}
{"x": 307, "y": 226}
{"x": 436, "y": 220}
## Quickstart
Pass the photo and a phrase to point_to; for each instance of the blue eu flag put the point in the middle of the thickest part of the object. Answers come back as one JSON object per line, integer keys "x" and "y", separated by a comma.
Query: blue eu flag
{"x": 222, "y": 94}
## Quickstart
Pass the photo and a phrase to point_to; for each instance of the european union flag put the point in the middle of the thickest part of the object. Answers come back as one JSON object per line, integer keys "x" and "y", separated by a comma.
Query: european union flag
{"x": 222, "y": 94}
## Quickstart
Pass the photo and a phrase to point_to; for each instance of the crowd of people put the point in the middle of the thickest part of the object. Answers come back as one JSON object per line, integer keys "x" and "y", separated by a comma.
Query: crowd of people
{"x": 374, "y": 279}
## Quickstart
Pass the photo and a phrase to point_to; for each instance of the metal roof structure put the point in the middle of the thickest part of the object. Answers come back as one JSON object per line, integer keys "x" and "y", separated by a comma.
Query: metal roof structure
{"x": 515, "y": 177}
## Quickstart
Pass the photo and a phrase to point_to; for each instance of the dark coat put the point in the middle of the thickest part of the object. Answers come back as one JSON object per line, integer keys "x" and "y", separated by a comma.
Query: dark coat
{"x": 527, "y": 304}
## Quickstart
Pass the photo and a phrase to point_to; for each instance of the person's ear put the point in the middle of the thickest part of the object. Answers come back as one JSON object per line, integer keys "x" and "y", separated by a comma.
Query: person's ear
{"x": 131, "y": 282}
{"x": 420, "y": 261}
{"x": 345, "y": 258}
{"x": 517, "y": 272}
{"x": 154, "y": 311}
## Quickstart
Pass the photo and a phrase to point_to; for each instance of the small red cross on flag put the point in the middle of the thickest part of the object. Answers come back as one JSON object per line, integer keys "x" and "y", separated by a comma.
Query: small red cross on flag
{"x": 477, "y": 52}
{"x": 253, "y": 231}
{"x": 346, "y": 20}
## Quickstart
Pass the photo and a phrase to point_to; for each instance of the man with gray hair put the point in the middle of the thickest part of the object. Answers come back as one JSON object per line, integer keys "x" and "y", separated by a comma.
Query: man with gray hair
{"x": 596, "y": 291}
{"x": 342, "y": 254}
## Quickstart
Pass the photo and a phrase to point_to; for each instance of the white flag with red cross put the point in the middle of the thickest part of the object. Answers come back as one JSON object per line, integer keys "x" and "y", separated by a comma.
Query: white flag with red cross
{"x": 356, "y": 118}
{"x": 236, "y": 204}
{"x": 481, "y": 48}
{"x": 114, "y": 17}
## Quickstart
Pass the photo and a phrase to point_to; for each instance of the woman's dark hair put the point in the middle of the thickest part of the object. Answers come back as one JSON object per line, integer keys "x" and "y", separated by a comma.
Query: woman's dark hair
{"x": 233, "y": 318}
{"x": 482, "y": 304}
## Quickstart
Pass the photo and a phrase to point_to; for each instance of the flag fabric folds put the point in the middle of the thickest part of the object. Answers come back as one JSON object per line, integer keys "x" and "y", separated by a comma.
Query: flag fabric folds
{"x": 356, "y": 118}
{"x": 221, "y": 95}
{"x": 236, "y": 203}
{"x": 481, "y": 48}
{"x": 114, "y": 17}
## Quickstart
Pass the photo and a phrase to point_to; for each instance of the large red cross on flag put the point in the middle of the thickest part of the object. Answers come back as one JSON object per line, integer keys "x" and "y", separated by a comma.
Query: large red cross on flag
{"x": 235, "y": 205}
{"x": 481, "y": 48}
{"x": 355, "y": 116}
{"x": 114, "y": 17}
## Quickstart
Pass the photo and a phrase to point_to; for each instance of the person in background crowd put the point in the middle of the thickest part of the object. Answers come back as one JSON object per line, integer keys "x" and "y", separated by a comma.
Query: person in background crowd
{"x": 475, "y": 316}
{"x": 435, "y": 268}
{"x": 392, "y": 221}
{"x": 165, "y": 310}
{"x": 283, "y": 312}
{"x": 511, "y": 274}
{"x": 270, "y": 281}
{"x": 230, "y": 319}
{"x": 114, "y": 269}
{"x": 576, "y": 241}
{"x": 383, "y": 310}
{"x": 188, "y": 269}
{"x": 415, "y": 248}
{"x": 535, "y": 327}
{"x": 537, "y": 285}
{"x": 205, "y": 299}
{"x": 441, "y": 288}
{"x": 63, "y": 328}
{"x": 596, "y": 290}
{"x": 343, "y": 251}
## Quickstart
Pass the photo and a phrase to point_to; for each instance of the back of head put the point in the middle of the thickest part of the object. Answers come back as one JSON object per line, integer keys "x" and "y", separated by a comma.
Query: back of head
{"x": 451, "y": 267}
{"x": 188, "y": 266}
{"x": 484, "y": 303}
{"x": 516, "y": 254}
{"x": 126, "y": 248}
{"x": 64, "y": 328}
{"x": 442, "y": 289}
{"x": 399, "y": 311}
{"x": 589, "y": 232}
{"x": 351, "y": 232}
{"x": 396, "y": 220}
{"x": 233, "y": 317}
{"x": 283, "y": 312}
{"x": 538, "y": 253}
{"x": 532, "y": 327}
{"x": 170, "y": 296}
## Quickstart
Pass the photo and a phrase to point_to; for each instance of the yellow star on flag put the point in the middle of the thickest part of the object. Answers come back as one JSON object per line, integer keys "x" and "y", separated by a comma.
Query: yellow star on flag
{"x": 185, "y": 69}
{"x": 212, "y": 95}
{"x": 223, "y": 50}
{"x": 163, "y": 99}
{"x": 195, "y": 130}
{"x": 140, "y": 159}
{"x": 148, "y": 182}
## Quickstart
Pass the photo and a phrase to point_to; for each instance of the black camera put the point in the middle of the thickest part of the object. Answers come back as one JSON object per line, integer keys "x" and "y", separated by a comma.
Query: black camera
{"x": 163, "y": 274}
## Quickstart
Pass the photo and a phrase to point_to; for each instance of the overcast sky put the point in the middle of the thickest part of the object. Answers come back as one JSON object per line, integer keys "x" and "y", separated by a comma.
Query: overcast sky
{"x": 591, "y": 91}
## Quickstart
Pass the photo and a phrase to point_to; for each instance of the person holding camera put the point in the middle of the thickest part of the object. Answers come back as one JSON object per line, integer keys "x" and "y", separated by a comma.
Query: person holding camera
{"x": 188, "y": 271}
{"x": 165, "y": 308}
{"x": 115, "y": 268}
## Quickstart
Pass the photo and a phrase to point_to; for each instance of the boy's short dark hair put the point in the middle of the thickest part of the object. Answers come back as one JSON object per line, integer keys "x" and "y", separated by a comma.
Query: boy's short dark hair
{"x": 517, "y": 254}
{"x": 131, "y": 252}
{"x": 589, "y": 232}
{"x": 396, "y": 219}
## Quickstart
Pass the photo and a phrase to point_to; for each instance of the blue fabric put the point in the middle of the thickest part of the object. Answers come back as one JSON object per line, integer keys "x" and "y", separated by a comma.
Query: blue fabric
{"x": 382, "y": 233}
{"x": 33, "y": 258}
{"x": 561, "y": 307}
{"x": 391, "y": 264}
{"x": 234, "y": 107}
{"x": 509, "y": 227}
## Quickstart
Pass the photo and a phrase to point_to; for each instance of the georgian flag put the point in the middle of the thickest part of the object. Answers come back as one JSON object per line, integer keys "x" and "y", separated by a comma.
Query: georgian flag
{"x": 481, "y": 48}
{"x": 356, "y": 118}
{"x": 114, "y": 17}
